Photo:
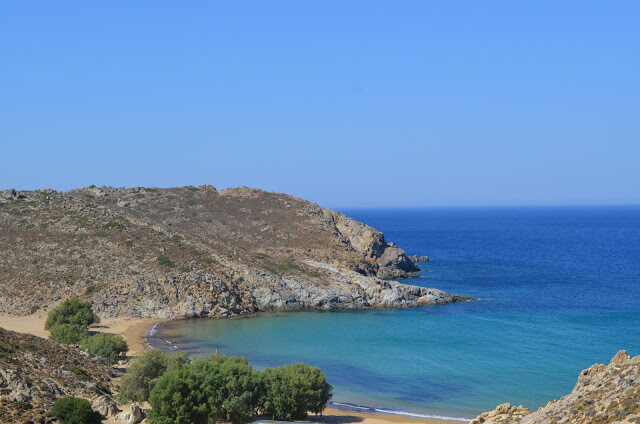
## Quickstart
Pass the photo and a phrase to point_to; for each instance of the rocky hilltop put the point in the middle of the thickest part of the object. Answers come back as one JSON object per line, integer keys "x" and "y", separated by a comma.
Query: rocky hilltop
{"x": 194, "y": 252}
{"x": 603, "y": 394}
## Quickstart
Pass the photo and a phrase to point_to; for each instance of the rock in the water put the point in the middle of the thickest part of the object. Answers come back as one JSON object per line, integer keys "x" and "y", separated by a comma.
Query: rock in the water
{"x": 417, "y": 258}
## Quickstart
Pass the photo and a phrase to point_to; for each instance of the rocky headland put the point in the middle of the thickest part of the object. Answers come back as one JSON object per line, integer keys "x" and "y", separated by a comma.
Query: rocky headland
{"x": 603, "y": 394}
{"x": 194, "y": 252}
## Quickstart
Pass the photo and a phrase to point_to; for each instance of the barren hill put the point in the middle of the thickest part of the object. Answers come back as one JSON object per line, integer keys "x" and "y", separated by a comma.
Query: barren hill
{"x": 193, "y": 252}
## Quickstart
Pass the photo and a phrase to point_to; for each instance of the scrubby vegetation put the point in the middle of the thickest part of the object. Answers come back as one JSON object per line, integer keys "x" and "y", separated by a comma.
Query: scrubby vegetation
{"x": 109, "y": 346}
{"x": 73, "y": 410}
{"x": 144, "y": 371}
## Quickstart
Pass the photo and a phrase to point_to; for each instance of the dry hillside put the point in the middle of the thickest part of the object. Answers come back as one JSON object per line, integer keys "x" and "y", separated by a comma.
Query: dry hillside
{"x": 193, "y": 252}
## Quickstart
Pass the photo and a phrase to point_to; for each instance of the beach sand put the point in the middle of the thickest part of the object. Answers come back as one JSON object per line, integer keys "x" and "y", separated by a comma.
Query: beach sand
{"x": 133, "y": 330}
{"x": 346, "y": 416}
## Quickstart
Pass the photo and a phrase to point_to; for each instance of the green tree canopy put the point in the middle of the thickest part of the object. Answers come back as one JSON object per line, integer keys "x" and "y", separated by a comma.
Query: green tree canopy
{"x": 68, "y": 333}
{"x": 73, "y": 410}
{"x": 145, "y": 370}
{"x": 108, "y": 346}
{"x": 293, "y": 390}
{"x": 72, "y": 311}
{"x": 182, "y": 396}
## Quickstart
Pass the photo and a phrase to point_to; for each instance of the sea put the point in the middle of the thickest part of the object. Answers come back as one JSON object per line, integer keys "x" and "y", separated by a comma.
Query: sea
{"x": 558, "y": 290}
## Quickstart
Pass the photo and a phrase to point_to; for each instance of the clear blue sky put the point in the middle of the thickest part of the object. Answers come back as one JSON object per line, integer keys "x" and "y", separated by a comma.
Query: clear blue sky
{"x": 347, "y": 103}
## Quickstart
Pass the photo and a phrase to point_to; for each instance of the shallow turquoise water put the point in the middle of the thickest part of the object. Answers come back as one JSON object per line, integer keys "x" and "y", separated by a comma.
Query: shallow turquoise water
{"x": 560, "y": 290}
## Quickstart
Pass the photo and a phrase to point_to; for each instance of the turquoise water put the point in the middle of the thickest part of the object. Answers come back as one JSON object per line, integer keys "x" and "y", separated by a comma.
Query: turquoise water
{"x": 560, "y": 290}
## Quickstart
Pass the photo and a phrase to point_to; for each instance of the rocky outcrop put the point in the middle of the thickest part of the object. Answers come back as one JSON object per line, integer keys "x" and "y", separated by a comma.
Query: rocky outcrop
{"x": 193, "y": 252}
{"x": 418, "y": 258}
{"x": 34, "y": 372}
{"x": 603, "y": 394}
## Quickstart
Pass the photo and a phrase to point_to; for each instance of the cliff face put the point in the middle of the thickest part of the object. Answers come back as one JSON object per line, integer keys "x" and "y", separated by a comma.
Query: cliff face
{"x": 34, "y": 372}
{"x": 603, "y": 394}
{"x": 193, "y": 251}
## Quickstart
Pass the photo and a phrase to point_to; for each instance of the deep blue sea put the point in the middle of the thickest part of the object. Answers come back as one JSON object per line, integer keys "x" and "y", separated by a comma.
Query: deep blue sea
{"x": 559, "y": 290}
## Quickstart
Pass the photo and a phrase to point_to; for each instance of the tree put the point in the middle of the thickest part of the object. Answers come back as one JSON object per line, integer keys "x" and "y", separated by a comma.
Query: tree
{"x": 73, "y": 410}
{"x": 68, "y": 322}
{"x": 236, "y": 386}
{"x": 182, "y": 397}
{"x": 68, "y": 333}
{"x": 211, "y": 389}
{"x": 143, "y": 372}
{"x": 293, "y": 390}
{"x": 108, "y": 346}
{"x": 71, "y": 311}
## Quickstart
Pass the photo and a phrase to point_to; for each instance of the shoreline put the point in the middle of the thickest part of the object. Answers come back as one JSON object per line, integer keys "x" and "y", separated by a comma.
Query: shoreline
{"x": 136, "y": 332}
{"x": 336, "y": 412}
{"x": 336, "y": 415}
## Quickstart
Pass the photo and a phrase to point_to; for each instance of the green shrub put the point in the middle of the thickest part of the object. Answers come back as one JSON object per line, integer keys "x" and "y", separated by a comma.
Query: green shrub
{"x": 68, "y": 333}
{"x": 71, "y": 311}
{"x": 293, "y": 390}
{"x": 163, "y": 260}
{"x": 80, "y": 373}
{"x": 108, "y": 346}
{"x": 223, "y": 389}
{"x": 73, "y": 410}
{"x": 89, "y": 290}
{"x": 182, "y": 396}
{"x": 144, "y": 371}
{"x": 208, "y": 390}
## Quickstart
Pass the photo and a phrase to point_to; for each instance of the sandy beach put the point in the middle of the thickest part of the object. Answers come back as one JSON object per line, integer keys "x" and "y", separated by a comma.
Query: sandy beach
{"x": 133, "y": 330}
{"x": 344, "y": 416}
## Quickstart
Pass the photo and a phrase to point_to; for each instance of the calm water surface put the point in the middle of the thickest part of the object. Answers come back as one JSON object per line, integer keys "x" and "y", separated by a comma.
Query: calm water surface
{"x": 560, "y": 290}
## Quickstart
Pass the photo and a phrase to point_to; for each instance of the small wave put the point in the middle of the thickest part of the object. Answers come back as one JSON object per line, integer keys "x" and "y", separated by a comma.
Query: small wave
{"x": 153, "y": 330}
{"x": 350, "y": 406}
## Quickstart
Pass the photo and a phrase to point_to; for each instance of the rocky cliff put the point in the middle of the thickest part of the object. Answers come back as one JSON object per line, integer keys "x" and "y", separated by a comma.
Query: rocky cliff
{"x": 603, "y": 394}
{"x": 194, "y": 252}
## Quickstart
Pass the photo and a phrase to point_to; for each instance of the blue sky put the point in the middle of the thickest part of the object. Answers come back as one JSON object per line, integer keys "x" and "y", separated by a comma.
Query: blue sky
{"x": 347, "y": 103}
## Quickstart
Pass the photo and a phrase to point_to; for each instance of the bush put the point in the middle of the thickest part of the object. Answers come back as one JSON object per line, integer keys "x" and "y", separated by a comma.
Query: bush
{"x": 72, "y": 311}
{"x": 108, "y": 346}
{"x": 293, "y": 390}
{"x": 68, "y": 333}
{"x": 72, "y": 410}
{"x": 228, "y": 389}
{"x": 216, "y": 388}
{"x": 164, "y": 261}
{"x": 144, "y": 371}
{"x": 182, "y": 396}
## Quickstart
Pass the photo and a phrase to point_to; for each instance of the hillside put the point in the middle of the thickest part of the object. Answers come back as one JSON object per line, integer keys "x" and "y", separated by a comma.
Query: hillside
{"x": 603, "y": 394}
{"x": 194, "y": 252}
{"x": 34, "y": 372}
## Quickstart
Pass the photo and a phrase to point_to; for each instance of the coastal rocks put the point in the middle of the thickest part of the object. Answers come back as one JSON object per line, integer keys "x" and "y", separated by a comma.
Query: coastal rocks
{"x": 603, "y": 394}
{"x": 503, "y": 414}
{"x": 417, "y": 258}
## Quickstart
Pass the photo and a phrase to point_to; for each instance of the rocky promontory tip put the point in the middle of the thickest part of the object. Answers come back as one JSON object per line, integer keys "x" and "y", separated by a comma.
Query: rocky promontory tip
{"x": 194, "y": 252}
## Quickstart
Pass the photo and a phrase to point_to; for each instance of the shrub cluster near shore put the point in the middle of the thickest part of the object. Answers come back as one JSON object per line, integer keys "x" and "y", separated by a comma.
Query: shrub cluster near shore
{"x": 68, "y": 323}
{"x": 220, "y": 388}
